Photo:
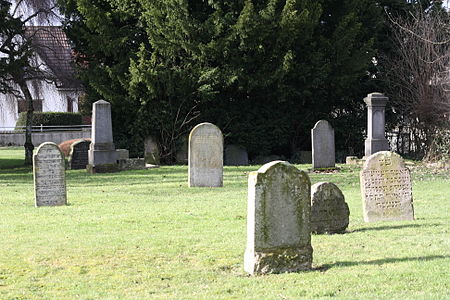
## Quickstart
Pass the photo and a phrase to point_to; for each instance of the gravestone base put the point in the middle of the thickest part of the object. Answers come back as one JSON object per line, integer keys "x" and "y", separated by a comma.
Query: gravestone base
{"x": 132, "y": 164}
{"x": 105, "y": 168}
{"x": 375, "y": 145}
{"x": 278, "y": 261}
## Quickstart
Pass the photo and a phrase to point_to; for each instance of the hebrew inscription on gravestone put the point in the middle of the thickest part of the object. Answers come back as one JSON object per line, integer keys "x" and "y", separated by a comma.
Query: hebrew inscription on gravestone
{"x": 329, "y": 211}
{"x": 386, "y": 188}
{"x": 49, "y": 176}
{"x": 205, "y": 156}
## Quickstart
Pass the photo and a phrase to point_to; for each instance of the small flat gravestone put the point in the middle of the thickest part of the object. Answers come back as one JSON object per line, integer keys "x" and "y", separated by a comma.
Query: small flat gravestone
{"x": 205, "y": 156}
{"x": 278, "y": 220}
{"x": 49, "y": 176}
{"x": 386, "y": 188}
{"x": 236, "y": 155}
{"x": 323, "y": 151}
{"x": 329, "y": 211}
{"x": 78, "y": 157}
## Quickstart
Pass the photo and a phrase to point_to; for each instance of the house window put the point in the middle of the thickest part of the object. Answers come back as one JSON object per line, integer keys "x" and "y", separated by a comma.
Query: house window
{"x": 69, "y": 104}
{"x": 22, "y": 105}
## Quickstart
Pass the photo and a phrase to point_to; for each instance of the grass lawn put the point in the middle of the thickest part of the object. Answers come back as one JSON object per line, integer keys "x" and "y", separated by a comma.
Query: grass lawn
{"x": 146, "y": 235}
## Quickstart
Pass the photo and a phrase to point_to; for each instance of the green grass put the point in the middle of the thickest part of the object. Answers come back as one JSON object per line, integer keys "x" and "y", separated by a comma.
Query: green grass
{"x": 146, "y": 235}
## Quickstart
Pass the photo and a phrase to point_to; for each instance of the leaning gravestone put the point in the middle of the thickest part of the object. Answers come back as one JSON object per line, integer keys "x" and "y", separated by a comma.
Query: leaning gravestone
{"x": 49, "y": 176}
{"x": 102, "y": 152}
{"x": 278, "y": 220}
{"x": 78, "y": 157}
{"x": 205, "y": 156}
{"x": 329, "y": 211}
{"x": 386, "y": 188}
{"x": 323, "y": 152}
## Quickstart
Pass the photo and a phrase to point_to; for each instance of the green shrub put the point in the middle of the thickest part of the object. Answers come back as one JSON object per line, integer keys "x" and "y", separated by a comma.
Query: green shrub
{"x": 50, "y": 119}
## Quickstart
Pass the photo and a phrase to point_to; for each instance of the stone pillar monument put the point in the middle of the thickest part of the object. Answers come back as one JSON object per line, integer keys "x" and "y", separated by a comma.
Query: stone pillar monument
{"x": 102, "y": 153}
{"x": 376, "y": 141}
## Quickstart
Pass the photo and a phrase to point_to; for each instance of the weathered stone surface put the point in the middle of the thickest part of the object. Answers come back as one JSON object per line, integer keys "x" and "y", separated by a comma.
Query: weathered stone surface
{"x": 329, "y": 211}
{"x": 102, "y": 150}
{"x": 49, "y": 176}
{"x": 122, "y": 154}
{"x": 351, "y": 160}
{"x": 323, "y": 151}
{"x": 78, "y": 157}
{"x": 132, "y": 164}
{"x": 386, "y": 188}
{"x": 278, "y": 220}
{"x": 236, "y": 155}
{"x": 376, "y": 140}
{"x": 151, "y": 151}
{"x": 206, "y": 156}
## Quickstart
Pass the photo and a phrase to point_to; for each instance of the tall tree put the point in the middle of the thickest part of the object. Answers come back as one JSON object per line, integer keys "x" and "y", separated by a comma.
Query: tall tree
{"x": 264, "y": 71}
{"x": 17, "y": 59}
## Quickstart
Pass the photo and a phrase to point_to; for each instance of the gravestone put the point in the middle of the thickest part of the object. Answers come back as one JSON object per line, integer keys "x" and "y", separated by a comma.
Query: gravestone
{"x": 329, "y": 211}
{"x": 151, "y": 151}
{"x": 122, "y": 154}
{"x": 236, "y": 155}
{"x": 205, "y": 156}
{"x": 278, "y": 220}
{"x": 49, "y": 176}
{"x": 376, "y": 140}
{"x": 323, "y": 152}
{"x": 102, "y": 153}
{"x": 78, "y": 157}
{"x": 386, "y": 188}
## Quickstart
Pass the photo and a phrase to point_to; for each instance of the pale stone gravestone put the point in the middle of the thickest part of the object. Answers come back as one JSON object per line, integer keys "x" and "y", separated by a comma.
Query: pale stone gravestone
{"x": 78, "y": 157}
{"x": 151, "y": 151}
{"x": 376, "y": 140}
{"x": 323, "y": 151}
{"x": 236, "y": 155}
{"x": 205, "y": 156}
{"x": 102, "y": 152}
{"x": 386, "y": 188}
{"x": 329, "y": 211}
{"x": 278, "y": 220}
{"x": 49, "y": 176}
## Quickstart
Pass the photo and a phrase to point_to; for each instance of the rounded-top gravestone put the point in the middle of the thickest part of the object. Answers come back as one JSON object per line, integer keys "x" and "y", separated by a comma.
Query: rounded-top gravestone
{"x": 205, "y": 156}
{"x": 278, "y": 220}
{"x": 49, "y": 176}
{"x": 323, "y": 150}
{"x": 329, "y": 211}
{"x": 78, "y": 157}
{"x": 386, "y": 188}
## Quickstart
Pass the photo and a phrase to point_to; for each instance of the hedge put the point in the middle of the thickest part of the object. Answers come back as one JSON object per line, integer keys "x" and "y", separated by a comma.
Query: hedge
{"x": 50, "y": 119}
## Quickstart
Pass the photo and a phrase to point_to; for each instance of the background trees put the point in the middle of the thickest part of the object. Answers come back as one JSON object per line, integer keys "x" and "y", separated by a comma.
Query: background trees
{"x": 263, "y": 71}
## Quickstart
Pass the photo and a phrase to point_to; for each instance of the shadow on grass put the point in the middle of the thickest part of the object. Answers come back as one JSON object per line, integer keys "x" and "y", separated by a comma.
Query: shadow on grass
{"x": 378, "y": 262}
{"x": 391, "y": 227}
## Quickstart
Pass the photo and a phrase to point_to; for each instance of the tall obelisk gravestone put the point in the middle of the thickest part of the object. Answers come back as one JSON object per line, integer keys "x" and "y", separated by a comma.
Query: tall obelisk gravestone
{"x": 102, "y": 153}
{"x": 376, "y": 140}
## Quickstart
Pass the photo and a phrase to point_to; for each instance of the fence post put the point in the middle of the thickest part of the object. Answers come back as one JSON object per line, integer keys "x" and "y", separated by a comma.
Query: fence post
{"x": 42, "y": 128}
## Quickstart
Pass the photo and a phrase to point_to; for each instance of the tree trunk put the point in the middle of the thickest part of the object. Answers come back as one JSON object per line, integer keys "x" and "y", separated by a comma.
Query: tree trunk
{"x": 29, "y": 147}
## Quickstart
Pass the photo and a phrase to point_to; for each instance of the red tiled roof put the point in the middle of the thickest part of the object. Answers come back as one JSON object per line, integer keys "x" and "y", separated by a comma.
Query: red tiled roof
{"x": 52, "y": 45}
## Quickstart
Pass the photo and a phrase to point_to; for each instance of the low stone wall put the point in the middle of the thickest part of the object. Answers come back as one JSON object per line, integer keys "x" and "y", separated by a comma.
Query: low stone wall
{"x": 57, "y": 137}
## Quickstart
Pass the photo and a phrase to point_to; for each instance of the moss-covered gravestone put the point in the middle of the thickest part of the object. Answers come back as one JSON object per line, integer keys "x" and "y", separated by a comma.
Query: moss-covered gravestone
{"x": 278, "y": 220}
{"x": 49, "y": 176}
{"x": 386, "y": 188}
{"x": 205, "y": 156}
{"x": 329, "y": 211}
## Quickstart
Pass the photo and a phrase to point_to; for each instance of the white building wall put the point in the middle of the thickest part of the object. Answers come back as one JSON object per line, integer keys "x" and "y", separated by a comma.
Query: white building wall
{"x": 53, "y": 100}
